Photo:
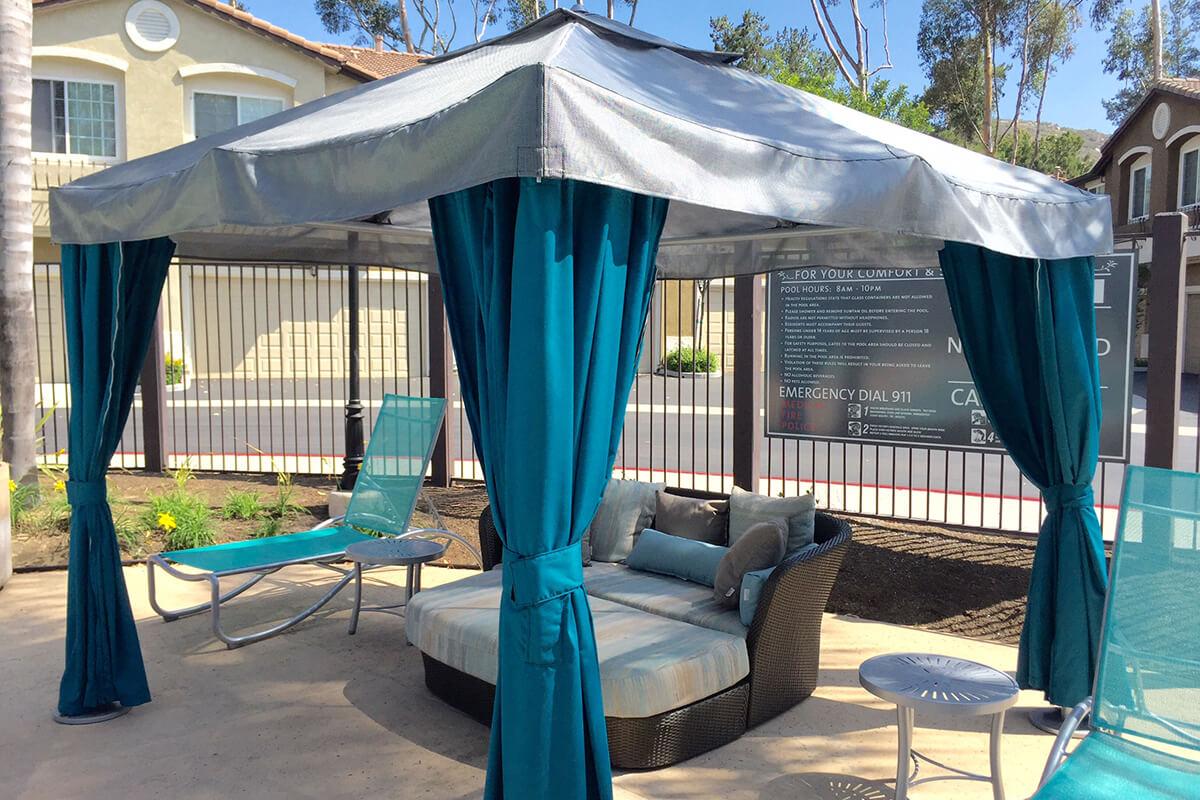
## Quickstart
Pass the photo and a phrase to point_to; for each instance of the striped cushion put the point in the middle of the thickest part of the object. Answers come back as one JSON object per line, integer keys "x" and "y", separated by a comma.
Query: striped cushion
{"x": 648, "y": 664}
{"x": 662, "y": 595}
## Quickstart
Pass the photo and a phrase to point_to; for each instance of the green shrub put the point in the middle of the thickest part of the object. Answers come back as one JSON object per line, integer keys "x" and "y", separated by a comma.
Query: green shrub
{"x": 175, "y": 371}
{"x": 242, "y": 505}
{"x": 271, "y": 526}
{"x": 687, "y": 359}
{"x": 281, "y": 504}
{"x": 130, "y": 535}
{"x": 22, "y": 501}
{"x": 185, "y": 520}
{"x": 54, "y": 511}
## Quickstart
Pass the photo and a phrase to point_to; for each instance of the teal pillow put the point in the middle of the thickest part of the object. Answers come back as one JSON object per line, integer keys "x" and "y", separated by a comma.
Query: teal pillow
{"x": 753, "y": 584}
{"x": 665, "y": 554}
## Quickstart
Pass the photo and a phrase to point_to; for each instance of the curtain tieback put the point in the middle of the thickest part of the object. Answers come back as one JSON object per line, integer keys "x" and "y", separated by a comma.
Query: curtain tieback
{"x": 538, "y": 586}
{"x": 1066, "y": 495}
{"x": 530, "y": 580}
{"x": 81, "y": 493}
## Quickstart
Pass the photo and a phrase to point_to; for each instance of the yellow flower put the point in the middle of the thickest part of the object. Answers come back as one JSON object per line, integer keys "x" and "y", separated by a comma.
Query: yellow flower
{"x": 12, "y": 485}
{"x": 166, "y": 521}
{"x": 60, "y": 486}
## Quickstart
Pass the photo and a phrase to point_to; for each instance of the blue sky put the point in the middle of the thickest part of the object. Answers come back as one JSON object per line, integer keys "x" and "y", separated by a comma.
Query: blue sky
{"x": 1073, "y": 98}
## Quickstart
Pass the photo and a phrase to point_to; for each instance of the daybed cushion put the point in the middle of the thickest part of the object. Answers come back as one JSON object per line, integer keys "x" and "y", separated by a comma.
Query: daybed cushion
{"x": 658, "y": 594}
{"x": 648, "y": 664}
{"x": 627, "y": 508}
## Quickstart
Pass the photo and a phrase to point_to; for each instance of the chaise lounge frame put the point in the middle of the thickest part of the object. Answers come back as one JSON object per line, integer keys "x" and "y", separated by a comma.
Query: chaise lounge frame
{"x": 257, "y": 572}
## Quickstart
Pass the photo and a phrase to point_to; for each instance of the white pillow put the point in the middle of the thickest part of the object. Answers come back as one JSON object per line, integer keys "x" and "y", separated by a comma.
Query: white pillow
{"x": 747, "y": 509}
{"x": 627, "y": 508}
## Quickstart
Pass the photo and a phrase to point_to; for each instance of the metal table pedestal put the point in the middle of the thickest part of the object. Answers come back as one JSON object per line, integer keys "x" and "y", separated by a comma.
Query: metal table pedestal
{"x": 942, "y": 685}
{"x": 410, "y": 553}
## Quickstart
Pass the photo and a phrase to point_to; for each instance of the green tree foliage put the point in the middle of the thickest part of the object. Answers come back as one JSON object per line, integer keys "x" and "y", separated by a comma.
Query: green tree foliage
{"x": 1131, "y": 56}
{"x": 368, "y": 18}
{"x": 749, "y": 38}
{"x": 519, "y": 13}
{"x": 793, "y": 57}
{"x": 1057, "y": 154}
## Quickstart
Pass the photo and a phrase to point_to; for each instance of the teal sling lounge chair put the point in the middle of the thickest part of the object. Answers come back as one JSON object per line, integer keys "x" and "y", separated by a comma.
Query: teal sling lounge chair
{"x": 1145, "y": 705}
{"x": 383, "y": 500}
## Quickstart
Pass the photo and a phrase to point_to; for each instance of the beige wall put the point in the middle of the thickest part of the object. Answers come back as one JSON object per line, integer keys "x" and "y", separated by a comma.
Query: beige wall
{"x": 154, "y": 112}
{"x": 154, "y": 101}
{"x": 263, "y": 323}
{"x": 288, "y": 324}
{"x": 675, "y": 322}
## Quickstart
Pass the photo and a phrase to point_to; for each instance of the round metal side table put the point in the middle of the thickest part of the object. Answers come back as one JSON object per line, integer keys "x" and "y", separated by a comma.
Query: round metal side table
{"x": 411, "y": 553}
{"x": 942, "y": 685}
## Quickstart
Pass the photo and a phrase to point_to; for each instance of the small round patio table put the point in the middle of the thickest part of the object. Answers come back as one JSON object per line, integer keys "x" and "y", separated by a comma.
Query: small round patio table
{"x": 411, "y": 553}
{"x": 942, "y": 685}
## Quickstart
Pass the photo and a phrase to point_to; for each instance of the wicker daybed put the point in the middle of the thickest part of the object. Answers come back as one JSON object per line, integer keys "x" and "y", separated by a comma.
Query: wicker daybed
{"x": 782, "y": 646}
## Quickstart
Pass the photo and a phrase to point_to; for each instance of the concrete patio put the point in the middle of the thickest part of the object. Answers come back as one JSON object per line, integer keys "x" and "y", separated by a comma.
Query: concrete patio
{"x": 316, "y": 713}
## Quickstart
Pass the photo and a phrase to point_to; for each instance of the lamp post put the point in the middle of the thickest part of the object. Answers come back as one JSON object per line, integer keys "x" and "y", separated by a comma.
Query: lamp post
{"x": 354, "y": 409}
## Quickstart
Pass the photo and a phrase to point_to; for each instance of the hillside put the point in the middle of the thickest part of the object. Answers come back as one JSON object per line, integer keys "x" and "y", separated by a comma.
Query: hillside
{"x": 1092, "y": 139}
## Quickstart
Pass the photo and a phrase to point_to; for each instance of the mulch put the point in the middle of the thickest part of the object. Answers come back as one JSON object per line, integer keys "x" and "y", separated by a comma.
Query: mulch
{"x": 928, "y": 576}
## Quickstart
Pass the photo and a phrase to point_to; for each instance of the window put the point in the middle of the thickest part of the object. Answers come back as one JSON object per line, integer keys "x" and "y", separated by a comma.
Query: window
{"x": 74, "y": 117}
{"x": 1139, "y": 192}
{"x": 1189, "y": 177}
{"x": 213, "y": 113}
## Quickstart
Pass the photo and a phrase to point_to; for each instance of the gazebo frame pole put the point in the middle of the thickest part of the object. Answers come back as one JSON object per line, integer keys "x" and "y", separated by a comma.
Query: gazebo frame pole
{"x": 354, "y": 408}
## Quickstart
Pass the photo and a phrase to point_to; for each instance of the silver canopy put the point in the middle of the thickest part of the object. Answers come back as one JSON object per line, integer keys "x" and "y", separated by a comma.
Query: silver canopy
{"x": 345, "y": 178}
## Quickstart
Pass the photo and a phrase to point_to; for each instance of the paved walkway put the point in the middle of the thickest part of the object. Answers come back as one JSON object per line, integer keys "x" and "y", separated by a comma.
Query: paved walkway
{"x": 318, "y": 714}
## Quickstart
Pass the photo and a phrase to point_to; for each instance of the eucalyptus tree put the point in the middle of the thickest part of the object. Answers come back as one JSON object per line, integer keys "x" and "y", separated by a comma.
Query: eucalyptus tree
{"x": 1132, "y": 46}
{"x": 854, "y": 66}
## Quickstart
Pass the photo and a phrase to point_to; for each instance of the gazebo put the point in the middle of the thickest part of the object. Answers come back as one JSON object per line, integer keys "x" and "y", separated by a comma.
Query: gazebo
{"x": 548, "y": 176}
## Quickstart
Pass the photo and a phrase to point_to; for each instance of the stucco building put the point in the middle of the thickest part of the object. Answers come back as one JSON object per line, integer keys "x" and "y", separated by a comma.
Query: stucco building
{"x": 1151, "y": 164}
{"x": 119, "y": 79}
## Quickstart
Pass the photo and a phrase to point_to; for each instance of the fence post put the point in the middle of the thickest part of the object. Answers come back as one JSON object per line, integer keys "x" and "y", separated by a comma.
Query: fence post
{"x": 154, "y": 399}
{"x": 747, "y": 383}
{"x": 440, "y": 365}
{"x": 1167, "y": 312}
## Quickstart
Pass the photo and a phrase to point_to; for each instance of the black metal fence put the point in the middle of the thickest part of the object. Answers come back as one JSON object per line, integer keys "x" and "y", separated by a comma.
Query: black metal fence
{"x": 259, "y": 385}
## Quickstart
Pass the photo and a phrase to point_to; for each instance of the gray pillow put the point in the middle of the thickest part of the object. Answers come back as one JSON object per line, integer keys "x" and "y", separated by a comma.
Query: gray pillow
{"x": 692, "y": 518}
{"x": 627, "y": 508}
{"x": 761, "y": 546}
{"x": 746, "y": 509}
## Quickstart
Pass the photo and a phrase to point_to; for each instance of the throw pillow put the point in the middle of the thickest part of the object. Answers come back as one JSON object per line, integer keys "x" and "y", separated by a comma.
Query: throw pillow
{"x": 746, "y": 509}
{"x": 665, "y": 554}
{"x": 753, "y": 584}
{"x": 627, "y": 508}
{"x": 759, "y": 547}
{"x": 692, "y": 518}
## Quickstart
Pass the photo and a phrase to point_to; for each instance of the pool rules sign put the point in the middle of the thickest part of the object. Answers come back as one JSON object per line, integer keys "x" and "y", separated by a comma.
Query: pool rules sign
{"x": 873, "y": 356}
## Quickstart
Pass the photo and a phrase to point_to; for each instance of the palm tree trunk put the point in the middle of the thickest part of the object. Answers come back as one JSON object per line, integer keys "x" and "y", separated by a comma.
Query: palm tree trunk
{"x": 17, "y": 331}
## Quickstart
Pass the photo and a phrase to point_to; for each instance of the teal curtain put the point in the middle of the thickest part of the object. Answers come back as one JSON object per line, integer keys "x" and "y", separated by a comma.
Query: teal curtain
{"x": 110, "y": 299}
{"x": 1028, "y": 330}
{"x": 547, "y": 285}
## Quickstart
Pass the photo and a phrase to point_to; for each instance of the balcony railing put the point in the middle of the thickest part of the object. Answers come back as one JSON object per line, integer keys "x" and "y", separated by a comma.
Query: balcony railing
{"x": 55, "y": 170}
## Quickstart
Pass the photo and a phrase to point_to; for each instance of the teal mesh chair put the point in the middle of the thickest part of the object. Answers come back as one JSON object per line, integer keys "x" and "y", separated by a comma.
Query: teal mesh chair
{"x": 383, "y": 500}
{"x": 1145, "y": 706}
